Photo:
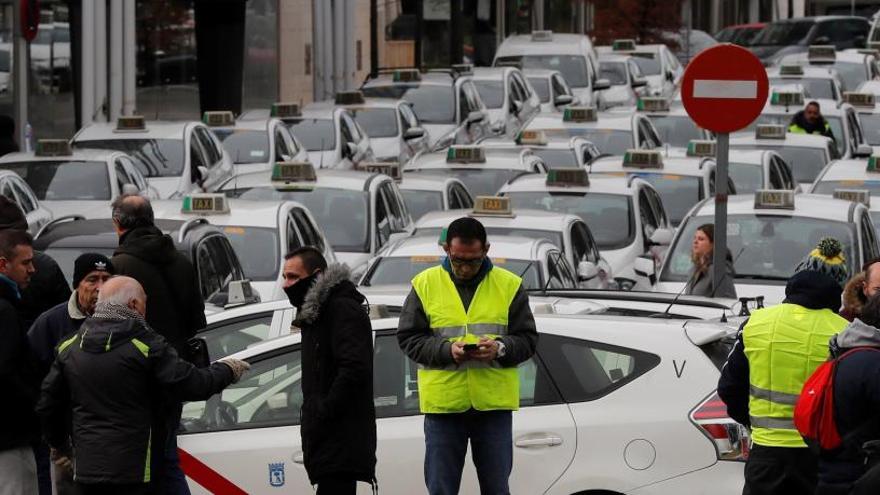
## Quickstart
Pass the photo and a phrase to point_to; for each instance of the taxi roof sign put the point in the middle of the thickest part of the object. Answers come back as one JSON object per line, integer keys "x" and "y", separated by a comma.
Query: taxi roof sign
{"x": 652, "y": 104}
{"x": 293, "y": 172}
{"x": 774, "y": 199}
{"x": 626, "y": 45}
{"x": 873, "y": 162}
{"x": 283, "y": 110}
{"x": 465, "y": 154}
{"x": 131, "y": 123}
{"x": 787, "y": 98}
{"x": 391, "y": 169}
{"x": 646, "y": 159}
{"x": 567, "y": 177}
{"x": 791, "y": 70}
{"x": 533, "y": 137}
{"x": 859, "y": 99}
{"x": 701, "y": 147}
{"x": 862, "y": 196}
{"x": 770, "y": 131}
{"x": 822, "y": 54}
{"x": 349, "y": 98}
{"x": 406, "y": 75}
{"x": 217, "y": 119}
{"x": 205, "y": 204}
{"x": 492, "y": 206}
{"x": 579, "y": 114}
{"x": 53, "y": 147}
{"x": 542, "y": 35}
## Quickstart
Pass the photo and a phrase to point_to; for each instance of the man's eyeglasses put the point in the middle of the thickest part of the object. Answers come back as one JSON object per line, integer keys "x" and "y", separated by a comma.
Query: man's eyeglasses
{"x": 460, "y": 262}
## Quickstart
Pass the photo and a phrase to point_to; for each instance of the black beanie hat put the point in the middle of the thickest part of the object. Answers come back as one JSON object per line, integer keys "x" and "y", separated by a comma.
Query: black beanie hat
{"x": 11, "y": 216}
{"x": 89, "y": 262}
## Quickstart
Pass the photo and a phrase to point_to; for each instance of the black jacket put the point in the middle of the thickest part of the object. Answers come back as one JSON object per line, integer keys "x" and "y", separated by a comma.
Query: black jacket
{"x": 112, "y": 376}
{"x": 175, "y": 308}
{"x": 18, "y": 423}
{"x": 338, "y": 417}
{"x": 7, "y": 135}
{"x": 809, "y": 289}
{"x": 48, "y": 288}
{"x": 50, "y": 329}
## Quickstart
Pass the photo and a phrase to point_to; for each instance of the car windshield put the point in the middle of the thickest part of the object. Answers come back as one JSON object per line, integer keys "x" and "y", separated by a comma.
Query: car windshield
{"x": 648, "y": 63}
{"x": 833, "y": 122}
{"x": 480, "y": 181}
{"x": 432, "y": 103}
{"x": 377, "y": 122}
{"x": 64, "y": 180}
{"x": 258, "y": 249}
{"x": 610, "y": 217}
{"x": 420, "y": 202}
{"x": 614, "y": 72}
{"x": 400, "y": 270}
{"x": 829, "y": 186}
{"x": 153, "y": 157}
{"x": 491, "y": 92}
{"x": 572, "y": 67}
{"x": 747, "y": 177}
{"x": 814, "y": 87}
{"x": 342, "y": 213}
{"x": 542, "y": 88}
{"x": 66, "y": 257}
{"x": 764, "y": 247}
{"x": 806, "y": 163}
{"x": 612, "y": 142}
{"x": 676, "y": 131}
{"x": 679, "y": 193}
{"x": 557, "y": 158}
{"x": 245, "y": 146}
{"x": 851, "y": 74}
{"x": 548, "y": 235}
{"x": 871, "y": 128}
{"x": 783, "y": 33}
{"x": 314, "y": 134}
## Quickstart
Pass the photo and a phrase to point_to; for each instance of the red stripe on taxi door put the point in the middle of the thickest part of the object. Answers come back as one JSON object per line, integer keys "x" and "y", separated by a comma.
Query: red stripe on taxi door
{"x": 209, "y": 479}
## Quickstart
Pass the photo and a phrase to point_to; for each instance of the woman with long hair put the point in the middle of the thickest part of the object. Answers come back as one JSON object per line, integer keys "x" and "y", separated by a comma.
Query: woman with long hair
{"x": 701, "y": 281}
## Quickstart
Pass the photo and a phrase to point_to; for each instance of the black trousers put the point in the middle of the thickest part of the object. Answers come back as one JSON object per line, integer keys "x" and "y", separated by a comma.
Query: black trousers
{"x": 337, "y": 487}
{"x": 779, "y": 470}
{"x": 113, "y": 489}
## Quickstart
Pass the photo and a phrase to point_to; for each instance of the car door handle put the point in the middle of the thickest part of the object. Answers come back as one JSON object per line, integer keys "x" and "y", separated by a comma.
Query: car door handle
{"x": 298, "y": 458}
{"x": 534, "y": 442}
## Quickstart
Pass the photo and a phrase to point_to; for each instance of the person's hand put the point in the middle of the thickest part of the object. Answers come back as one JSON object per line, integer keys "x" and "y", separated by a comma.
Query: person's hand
{"x": 459, "y": 355}
{"x": 62, "y": 461}
{"x": 237, "y": 366}
{"x": 487, "y": 352}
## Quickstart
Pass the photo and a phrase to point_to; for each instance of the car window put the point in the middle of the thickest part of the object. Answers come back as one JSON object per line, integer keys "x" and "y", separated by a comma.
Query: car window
{"x": 776, "y": 181}
{"x": 282, "y": 150}
{"x": 6, "y": 190}
{"x": 215, "y": 267}
{"x": 134, "y": 173}
{"x": 869, "y": 239}
{"x": 347, "y": 130}
{"x": 212, "y": 152}
{"x": 382, "y": 221}
{"x": 269, "y": 394}
{"x": 657, "y": 205}
{"x": 122, "y": 177}
{"x": 307, "y": 228}
{"x": 25, "y": 201}
{"x": 294, "y": 239}
{"x": 196, "y": 160}
{"x": 585, "y": 370}
{"x": 582, "y": 244}
{"x": 236, "y": 335}
{"x": 409, "y": 117}
{"x": 650, "y": 223}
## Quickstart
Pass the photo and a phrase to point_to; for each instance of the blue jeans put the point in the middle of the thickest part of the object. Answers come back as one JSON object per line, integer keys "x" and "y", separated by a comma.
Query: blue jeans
{"x": 446, "y": 441}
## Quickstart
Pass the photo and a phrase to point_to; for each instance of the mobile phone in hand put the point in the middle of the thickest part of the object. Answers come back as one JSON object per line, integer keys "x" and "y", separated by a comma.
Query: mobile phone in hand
{"x": 471, "y": 347}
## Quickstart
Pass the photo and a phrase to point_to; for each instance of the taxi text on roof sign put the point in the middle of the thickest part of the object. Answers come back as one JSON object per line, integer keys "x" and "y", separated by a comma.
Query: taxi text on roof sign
{"x": 653, "y": 104}
{"x": 532, "y": 137}
{"x": 53, "y": 147}
{"x": 855, "y": 195}
{"x": 205, "y": 204}
{"x": 492, "y": 206}
{"x": 774, "y": 199}
{"x": 873, "y": 162}
{"x": 647, "y": 159}
{"x": 623, "y": 45}
{"x": 857, "y": 99}
{"x": 465, "y": 154}
{"x": 821, "y": 54}
{"x": 579, "y": 114}
{"x": 769, "y": 131}
{"x": 131, "y": 123}
{"x": 406, "y": 75}
{"x": 791, "y": 70}
{"x": 787, "y": 98}
{"x": 576, "y": 177}
{"x": 388, "y": 168}
{"x": 293, "y": 172}
{"x": 283, "y": 110}
{"x": 697, "y": 147}
{"x": 542, "y": 35}
{"x": 349, "y": 98}
{"x": 217, "y": 119}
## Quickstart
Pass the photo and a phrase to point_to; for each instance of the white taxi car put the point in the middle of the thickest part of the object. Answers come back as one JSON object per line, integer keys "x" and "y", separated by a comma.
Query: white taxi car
{"x": 16, "y": 190}
{"x": 819, "y": 83}
{"x": 71, "y": 182}
{"x": 673, "y": 124}
{"x": 656, "y": 62}
{"x": 424, "y": 194}
{"x": 175, "y": 157}
{"x": 510, "y": 99}
{"x": 331, "y": 135}
{"x": 807, "y": 154}
{"x": 552, "y": 89}
{"x": 865, "y": 105}
{"x": 613, "y": 133}
{"x": 627, "y": 81}
{"x": 261, "y": 233}
{"x": 359, "y": 212}
{"x": 853, "y": 66}
{"x": 768, "y": 234}
{"x": 589, "y": 379}
{"x": 482, "y": 169}
{"x": 751, "y": 170}
{"x": 255, "y": 144}
{"x": 571, "y": 54}
{"x": 396, "y": 135}
{"x": 843, "y": 178}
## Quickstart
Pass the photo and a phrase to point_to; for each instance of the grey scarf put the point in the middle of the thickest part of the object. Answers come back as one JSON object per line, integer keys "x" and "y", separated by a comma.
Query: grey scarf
{"x": 113, "y": 311}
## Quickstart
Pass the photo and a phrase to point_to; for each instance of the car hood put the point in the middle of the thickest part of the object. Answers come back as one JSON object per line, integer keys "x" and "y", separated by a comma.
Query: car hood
{"x": 387, "y": 147}
{"x": 438, "y": 131}
{"x": 88, "y": 209}
{"x": 773, "y": 294}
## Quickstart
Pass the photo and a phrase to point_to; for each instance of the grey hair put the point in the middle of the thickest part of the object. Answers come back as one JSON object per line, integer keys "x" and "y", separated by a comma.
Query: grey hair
{"x": 120, "y": 290}
{"x": 131, "y": 211}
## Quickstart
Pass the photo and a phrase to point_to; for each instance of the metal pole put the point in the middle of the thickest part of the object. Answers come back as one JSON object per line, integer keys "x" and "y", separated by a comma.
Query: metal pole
{"x": 129, "y": 75}
{"x": 100, "y": 66}
{"x": 87, "y": 76}
{"x": 116, "y": 58}
{"x": 20, "y": 73}
{"x": 318, "y": 50}
{"x": 374, "y": 37}
{"x": 719, "y": 254}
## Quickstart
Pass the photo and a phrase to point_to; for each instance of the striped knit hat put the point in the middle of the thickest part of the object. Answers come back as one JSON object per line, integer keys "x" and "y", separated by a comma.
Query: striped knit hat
{"x": 827, "y": 258}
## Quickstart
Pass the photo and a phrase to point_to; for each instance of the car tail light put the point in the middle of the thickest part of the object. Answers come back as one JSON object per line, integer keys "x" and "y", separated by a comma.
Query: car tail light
{"x": 730, "y": 438}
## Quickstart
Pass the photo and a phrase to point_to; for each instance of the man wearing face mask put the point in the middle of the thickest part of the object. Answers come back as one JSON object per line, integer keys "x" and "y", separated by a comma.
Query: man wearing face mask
{"x": 468, "y": 325}
{"x": 338, "y": 423}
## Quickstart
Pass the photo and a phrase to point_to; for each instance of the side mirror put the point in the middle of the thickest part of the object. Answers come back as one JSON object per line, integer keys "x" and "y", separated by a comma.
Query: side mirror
{"x": 516, "y": 107}
{"x": 130, "y": 189}
{"x": 670, "y": 76}
{"x": 498, "y": 127}
{"x": 203, "y": 173}
{"x": 863, "y": 151}
{"x": 661, "y": 237}
{"x": 600, "y": 84}
{"x": 277, "y": 401}
{"x": 475, "y": 117}
{"x": 587, "y": 270}
{"x": 414, "y": 133}
{"x": 350, "y": 150}
{"x": 644, "y": 267}
{"x": 240, "y": 292}
{"x": 640, "y": 82}
{"x": 562, "y": 100}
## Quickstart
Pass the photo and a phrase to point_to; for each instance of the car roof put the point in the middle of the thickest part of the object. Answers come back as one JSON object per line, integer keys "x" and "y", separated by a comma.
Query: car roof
{"x": 390, "y": 103}
{"x": 791, "y": 139}
{"x": 242, "y": 212}
{"x": 848, "y": 170}
{"x": 841, "y": 56}
{"x": 513, "y": 247}
{"x": 425, "y": 183}
{"x": 427, "y": 79}
{"x": 543, "y": 73}
{"x": 155, "y": 129}
{"x": 747, "y": 156}
{"x": 498, "y": 159}
{"x": 326, "y": 179}
{"x": 248, "y": 310}
{"x": 811, "y": 72}
{"x": 686, "y": 166}
{"x": 604, "y": 120}
{"x": 78, "y": 155}
{"x": 249, "y": 124}
{"x": 598, "y": 184}
{"x": 562, "y": 44}
{"x": 614, "y": 57}
{"x": 93, "y": 233}
{"x": 805, "y": 205}
{"x": 319, "y": 110}
{"x": 490, "y": 73}
{"x": 522, "y": 219}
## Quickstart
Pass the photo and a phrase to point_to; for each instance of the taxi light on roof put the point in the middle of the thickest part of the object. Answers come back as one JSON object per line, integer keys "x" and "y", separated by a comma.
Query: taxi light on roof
{"x": 465, "y": 154}
{"x": 701, "y": 148}
{"x": 787, "y": 98}
{"x": 623, "y": 45}
{"x": 774, "y": 199}
{"x": 131, "y": 123}
{"x": 53, "y": 147}
{"x": 283, "y": 110}
{"x": 862, "y": 196}
{"x": 857, "y": 99}
{"x": 293, "y": 172}
{"x": 205, "y": 203}
{"x": 821, "y": 54}
{"x": 216, "y": 119}
{"x": 542, "y": 35}
{"x": 791, "y": 70}
{"x": 653, "y": 104}
{"x": 463, "y": 69}
{"x": 492, "y": 205}
{"x": 406, "y": 75}
{"x": 568, "y": 177}
{"x": 349, "y": 98}
{"x": 643, "y": 159}
{"x": 388, "y": 168}
{"x": 532, "y": 137}
{"x": 873, "y": 162}
{"x": 579, "y": 114}
{"x": 770, "y": 131}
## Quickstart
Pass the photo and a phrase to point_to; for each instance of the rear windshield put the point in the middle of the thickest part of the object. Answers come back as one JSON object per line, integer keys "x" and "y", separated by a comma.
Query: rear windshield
{"x": 491, "y": 92}
{"x": 245, "y": 146}
{"x": 676, "y": 131}
{"x": 377, "y": 122}
{"x": 314, "y": 134}
{"x": 614, "y": 72}
{"x": 64, "y": 180}
{"x": 572, "y": 67}
{"x": 432, "y": 103}
{"x": 153, "y": 157}
{"x": 542, "y": 87}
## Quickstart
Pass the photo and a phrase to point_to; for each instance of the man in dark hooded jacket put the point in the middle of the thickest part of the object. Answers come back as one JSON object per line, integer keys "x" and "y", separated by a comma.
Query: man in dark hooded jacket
{"x": 810, "y": 121}
{"x": 338, "y": 417}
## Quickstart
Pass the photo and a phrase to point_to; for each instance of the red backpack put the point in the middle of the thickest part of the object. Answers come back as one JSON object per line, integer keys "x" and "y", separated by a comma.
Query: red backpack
{"x": 814, "y": 411}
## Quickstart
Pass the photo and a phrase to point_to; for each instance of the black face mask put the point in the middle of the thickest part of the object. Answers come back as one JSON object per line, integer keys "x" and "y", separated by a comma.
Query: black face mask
{"x": 296, "y": 293}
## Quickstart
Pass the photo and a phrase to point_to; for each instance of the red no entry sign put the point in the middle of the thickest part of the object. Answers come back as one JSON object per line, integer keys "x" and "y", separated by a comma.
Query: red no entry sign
{"x": 724, "y": 88}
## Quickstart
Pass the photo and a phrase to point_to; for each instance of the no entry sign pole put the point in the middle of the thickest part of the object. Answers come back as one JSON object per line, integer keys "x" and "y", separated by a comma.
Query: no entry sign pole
{"x": 723, "y": 90}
